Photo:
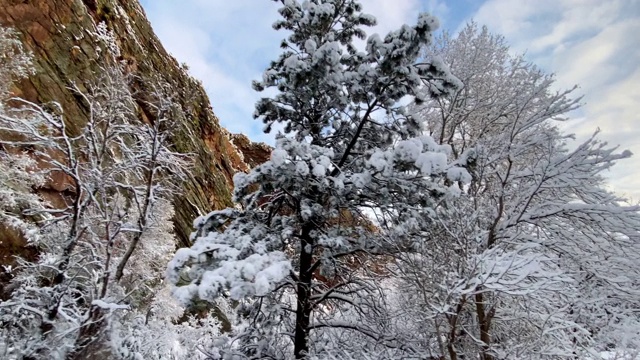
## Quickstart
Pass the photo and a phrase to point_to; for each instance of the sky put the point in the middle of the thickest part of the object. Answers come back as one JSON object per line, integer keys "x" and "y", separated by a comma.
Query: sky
{"x": 594, "y": 44}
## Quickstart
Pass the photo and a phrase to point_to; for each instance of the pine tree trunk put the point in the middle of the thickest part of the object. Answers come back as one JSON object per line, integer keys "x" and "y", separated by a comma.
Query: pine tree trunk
{"x": 303, "y": 310}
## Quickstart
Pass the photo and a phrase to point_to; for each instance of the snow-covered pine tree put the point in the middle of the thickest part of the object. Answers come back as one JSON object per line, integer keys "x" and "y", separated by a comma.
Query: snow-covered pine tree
{"x": 538, "y": 260}
{"x": 348, "y": 146}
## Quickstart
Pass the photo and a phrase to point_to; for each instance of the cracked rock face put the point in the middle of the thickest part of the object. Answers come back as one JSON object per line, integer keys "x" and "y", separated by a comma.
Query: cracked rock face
{"x": 61, "y": 36}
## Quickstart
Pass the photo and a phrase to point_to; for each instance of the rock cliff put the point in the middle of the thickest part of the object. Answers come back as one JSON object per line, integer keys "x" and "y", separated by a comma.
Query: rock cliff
{"x": 61, "y": 36}
{"x": 253, "y": 153}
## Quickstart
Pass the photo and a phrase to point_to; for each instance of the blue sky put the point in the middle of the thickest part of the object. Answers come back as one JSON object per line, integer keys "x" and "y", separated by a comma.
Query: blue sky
{"x": 591, "y": 43}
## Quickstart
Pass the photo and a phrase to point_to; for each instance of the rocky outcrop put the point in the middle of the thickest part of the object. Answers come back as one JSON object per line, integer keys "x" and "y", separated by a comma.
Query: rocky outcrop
{"x": 61, "y": 34}
{"x": 253, "y": 153}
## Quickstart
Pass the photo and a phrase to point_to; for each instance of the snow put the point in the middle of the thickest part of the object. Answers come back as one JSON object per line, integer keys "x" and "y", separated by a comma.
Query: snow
{"x": 408, "y": 150}
{"x": 432, "y": 162}
{"x": 360, "y": 180}
{"x": 310, "y": 46}
{"x": 109, "y": 306}
{"x": 458, "y": 174}
{"x": 278, "y": 157}
{"x": 319, "y": 170}
{"x": 378, "y": 160}
{"x": 302, "y": 168}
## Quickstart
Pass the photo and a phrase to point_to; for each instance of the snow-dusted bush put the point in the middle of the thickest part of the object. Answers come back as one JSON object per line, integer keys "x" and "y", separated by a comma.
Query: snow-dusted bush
{"x": 101, "y": 256}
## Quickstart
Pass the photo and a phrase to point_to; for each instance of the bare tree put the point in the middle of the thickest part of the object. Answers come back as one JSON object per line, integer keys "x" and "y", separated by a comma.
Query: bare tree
{"x": 535, "y": 261}
{"x": 117, "y": 172}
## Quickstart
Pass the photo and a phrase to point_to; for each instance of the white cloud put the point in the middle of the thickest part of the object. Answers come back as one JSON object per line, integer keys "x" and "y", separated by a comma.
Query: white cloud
{"x": 591, "y": 43}
{"x": 578, "y": 20}
{"x": 226, "y": 44}
{"x": 391, "y": 14}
